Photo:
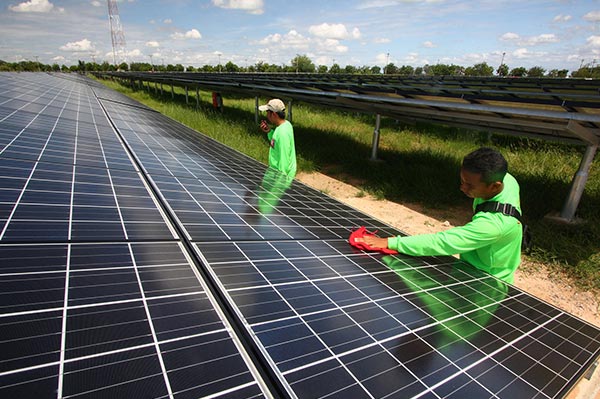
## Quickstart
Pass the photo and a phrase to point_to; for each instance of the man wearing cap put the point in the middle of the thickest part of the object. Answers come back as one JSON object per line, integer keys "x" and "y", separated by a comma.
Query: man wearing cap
{"x": 282, "y": 151}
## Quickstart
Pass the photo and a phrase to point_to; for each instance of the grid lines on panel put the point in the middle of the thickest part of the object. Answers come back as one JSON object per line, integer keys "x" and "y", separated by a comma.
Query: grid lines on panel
{"x": 99, "y": 296}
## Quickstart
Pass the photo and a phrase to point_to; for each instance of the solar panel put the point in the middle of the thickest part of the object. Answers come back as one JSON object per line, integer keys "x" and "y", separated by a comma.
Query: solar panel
{"x": 141, "y": 258}
{"x": 99, "y": 298}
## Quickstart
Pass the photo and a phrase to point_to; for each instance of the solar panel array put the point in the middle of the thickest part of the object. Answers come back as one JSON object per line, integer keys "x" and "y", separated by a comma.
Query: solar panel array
{"x": 143, "y": 259}
{"x": 550, "y": 109}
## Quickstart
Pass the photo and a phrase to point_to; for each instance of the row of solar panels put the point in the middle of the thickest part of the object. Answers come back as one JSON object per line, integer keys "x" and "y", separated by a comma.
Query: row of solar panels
{"x": 566, "y": 93}
{"x": 561, "y": 113}
{"x": 139, "y": 258}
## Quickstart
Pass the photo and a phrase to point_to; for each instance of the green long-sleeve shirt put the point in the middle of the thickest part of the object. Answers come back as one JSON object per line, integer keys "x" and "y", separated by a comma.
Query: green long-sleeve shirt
{"x": 282, "y": 151}
{"x": 490, "y": 241}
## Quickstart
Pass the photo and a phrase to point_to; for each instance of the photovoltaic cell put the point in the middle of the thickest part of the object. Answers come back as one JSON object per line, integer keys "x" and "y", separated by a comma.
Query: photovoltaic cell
{"x": 117, "y": 220}
{"x": 98, "y": 296}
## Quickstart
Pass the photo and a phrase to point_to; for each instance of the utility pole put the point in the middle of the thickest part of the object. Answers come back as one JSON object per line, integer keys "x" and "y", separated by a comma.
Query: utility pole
{"x": 387, "y": 61}
{"x": 116, "y": 31}
{"x": 501, "y": 62}
{"x": 151, "y": 63}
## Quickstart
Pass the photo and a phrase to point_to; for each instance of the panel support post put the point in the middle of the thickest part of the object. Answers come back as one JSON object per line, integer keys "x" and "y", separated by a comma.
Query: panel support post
{"x": 256, "y": 110}
{"x": 161, "y": 89}
{"x": 289, "y": 115}
{"x": 578, "y": 184}
{"x": 375, "y": 144}
{"x": 197, "y": 97}
{"x": 172, "y": 91}
{"x": 186, "y": 95}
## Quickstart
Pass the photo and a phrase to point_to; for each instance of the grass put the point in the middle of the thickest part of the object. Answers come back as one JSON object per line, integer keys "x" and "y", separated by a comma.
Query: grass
{"x": 420, "y": 165}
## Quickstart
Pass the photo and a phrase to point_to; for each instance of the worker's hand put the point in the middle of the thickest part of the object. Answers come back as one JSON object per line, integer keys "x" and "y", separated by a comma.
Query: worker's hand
{"x": 374, "y": 242}
{"x": 264, "y": 126}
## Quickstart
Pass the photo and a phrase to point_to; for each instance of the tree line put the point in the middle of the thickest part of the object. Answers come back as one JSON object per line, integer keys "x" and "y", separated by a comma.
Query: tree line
{"x": 303, "y": 64}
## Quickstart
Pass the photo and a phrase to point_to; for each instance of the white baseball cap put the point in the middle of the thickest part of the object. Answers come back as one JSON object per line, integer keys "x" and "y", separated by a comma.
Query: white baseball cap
{"x": 275, "y": 105}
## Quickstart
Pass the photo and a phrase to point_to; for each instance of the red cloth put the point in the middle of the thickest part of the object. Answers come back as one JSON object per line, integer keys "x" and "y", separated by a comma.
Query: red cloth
{"x": 363, "y": 232}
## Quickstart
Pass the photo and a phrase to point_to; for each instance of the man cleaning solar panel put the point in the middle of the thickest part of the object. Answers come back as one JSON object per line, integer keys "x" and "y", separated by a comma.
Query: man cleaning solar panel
{"x": 491, "y": 241}
{"x": 282, "y": 151}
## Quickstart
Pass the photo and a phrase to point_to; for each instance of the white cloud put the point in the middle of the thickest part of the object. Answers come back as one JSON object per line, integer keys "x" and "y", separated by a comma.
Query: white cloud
{"x": 540, "y": 39}
{"x": 592, "y": 16}
{"x": 593, "y": 41}
{"x": 58, "y": 58}
{"x": 530, "y": 41}
{"x": 521, "y": 53}
{"x": 134, "y": 53}
{"x": 381, "y": 40}
{"x": 331, "y": 45}
{"x": 167, "y": 21}
{"x": 35, "y": 6}
{"x": 562, "y": 18}
{"x": 429, "y": 44}
{"x": 250, "y": 6}
{"x": 277, "y": 43}
{"x": 271, "y": 39}
{"x": 82, "y": 45}
{"x": 190, "y": 34}
{"x": 509, "y": 36}
{"x": 388, "y": 3}
{"x": 295, "y": 40}
{"x": 334, "y": 31}
{"x": 152, "y": 44}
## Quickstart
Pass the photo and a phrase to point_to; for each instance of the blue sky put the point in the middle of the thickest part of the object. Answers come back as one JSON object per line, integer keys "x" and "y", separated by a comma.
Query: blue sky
{"x": 551, "y": 34}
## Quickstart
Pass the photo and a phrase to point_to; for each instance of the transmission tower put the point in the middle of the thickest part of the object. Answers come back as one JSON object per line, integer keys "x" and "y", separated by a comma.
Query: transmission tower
{"x": 116, "y": 31}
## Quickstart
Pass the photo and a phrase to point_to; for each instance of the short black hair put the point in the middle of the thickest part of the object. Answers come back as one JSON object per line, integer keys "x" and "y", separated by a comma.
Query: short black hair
{"x": 281, "y": 114}
{"x": 488, "y": 162}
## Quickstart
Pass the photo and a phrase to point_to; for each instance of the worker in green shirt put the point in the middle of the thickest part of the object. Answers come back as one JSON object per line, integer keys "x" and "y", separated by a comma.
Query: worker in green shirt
{"x": 282, "y": 151}
{"x": 491, "y": 241}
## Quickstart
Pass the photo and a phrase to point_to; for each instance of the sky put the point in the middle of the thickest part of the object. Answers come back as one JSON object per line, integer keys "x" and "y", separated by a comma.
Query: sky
{"x": 553, "y": 34}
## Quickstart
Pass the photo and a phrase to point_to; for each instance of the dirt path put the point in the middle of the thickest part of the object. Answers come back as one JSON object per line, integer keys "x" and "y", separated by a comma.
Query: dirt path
{"x": 533, "y": 278}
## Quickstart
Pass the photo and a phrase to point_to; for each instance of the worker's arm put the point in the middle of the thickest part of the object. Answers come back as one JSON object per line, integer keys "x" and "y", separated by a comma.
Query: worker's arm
{"x": 478, "y": 233}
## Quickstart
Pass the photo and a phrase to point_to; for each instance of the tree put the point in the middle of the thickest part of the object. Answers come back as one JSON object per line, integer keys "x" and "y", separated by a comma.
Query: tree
{"x": 322, "y": 69}
{"x": 536, "y": 72}
{"x": 406, "y": 70}
{"x": 350, "y": 69}
{"x": 502, "y": 70}
{"x": 390, "y": 69}
{"x": 301, "y": 63}
{"x": 558, "y": 73}
{"x": 335, "y": 68}
{"x": 376, "y": 70}
{"x": 519, "y": 72}
{"x": 444, "y": 70}
{"x": 481, "y": 69}
{"x": 419, "y": 71}
{"x": 231, "y": 67}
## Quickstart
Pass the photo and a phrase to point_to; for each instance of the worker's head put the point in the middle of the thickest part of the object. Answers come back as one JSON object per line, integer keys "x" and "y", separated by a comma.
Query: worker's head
{"x": 482, "y": 173}
{"x": 275, "y": 109}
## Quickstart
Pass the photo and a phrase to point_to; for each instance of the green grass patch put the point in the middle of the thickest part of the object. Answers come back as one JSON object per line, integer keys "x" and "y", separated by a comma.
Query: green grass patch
{"x": 420, "y": 164}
